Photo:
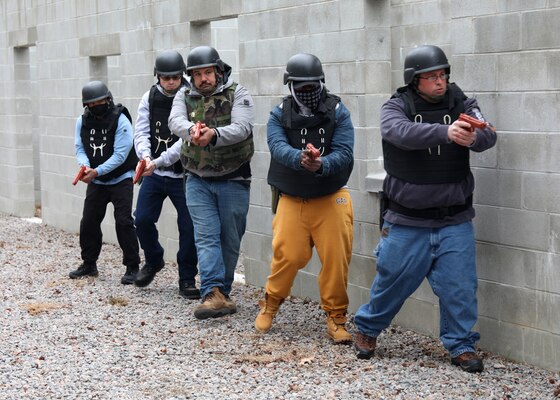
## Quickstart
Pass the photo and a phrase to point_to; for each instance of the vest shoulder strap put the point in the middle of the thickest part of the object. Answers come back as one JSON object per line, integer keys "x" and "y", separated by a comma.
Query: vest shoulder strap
{"x": 151, "y": 100}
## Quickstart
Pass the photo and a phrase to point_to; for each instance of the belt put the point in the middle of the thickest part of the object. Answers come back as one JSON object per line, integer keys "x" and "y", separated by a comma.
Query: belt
{"x": 430, "y": 213}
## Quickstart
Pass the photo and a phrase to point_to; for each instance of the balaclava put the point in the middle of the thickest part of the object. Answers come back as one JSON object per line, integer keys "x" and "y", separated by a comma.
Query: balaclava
{"x": 308, "y": 98}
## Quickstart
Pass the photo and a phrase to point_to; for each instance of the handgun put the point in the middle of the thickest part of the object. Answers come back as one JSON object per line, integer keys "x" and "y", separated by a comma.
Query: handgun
{"x": 313, "y": 151}
{"x": 79, "y": 175}
{"x": 197, "y": 128}
{"x": 139, "y": 171}
{"x": 475, "y": 123}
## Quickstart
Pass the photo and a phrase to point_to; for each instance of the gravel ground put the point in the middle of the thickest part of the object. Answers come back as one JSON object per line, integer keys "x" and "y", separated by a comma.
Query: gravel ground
{"x": 97, "y": 339}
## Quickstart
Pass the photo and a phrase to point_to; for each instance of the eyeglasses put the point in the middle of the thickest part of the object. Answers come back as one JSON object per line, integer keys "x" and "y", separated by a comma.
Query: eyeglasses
{"x": 171, "y": 77}
{"x": 434, "y": 78}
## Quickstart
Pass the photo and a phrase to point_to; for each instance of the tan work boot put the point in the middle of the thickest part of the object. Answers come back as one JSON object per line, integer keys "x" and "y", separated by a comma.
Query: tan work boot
{"x": 213, "y": 306}
{"x": 336, "y": 329}
{"x": 269, "y": 308}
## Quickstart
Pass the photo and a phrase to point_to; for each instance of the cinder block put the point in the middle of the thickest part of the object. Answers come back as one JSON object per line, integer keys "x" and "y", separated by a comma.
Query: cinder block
{"x": 498, "y": 188}
{"x": 259, "y": 220}
{"x": 420, "y": 316}
{"x": 260, "y": 192}
{"x": 520, "y": 5}
{"x": 361, "y": 271}
{"x": 554, "y": 236}
{"x": 513, "y": 68}
{"x": 422, "y": 13}
{"x": 523, "y": 152}
{"x": 474, "y": 73}
{"x": 255, "y": 273}
{"x": 102, "y": 45}
{"x": 502, "y": 338}
{"x": 546, "y": 313}
{"x": 366, "y": 237}
{"x": 365, "y": 206}
{"x": 324, "y": 17}
{"x": 498, "y": 33}
{"x": 462, "y": 28}
{"x": 522, "y": 228}
{"x": 542, "y": 191}
{"x": 538, "y": 29}
{"x": 352, "y": 14}
{"x": 541, "y": 348}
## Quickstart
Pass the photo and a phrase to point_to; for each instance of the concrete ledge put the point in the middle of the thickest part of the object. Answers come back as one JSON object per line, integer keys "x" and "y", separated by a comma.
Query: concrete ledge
{"x": 374, "y": 182}
{"x": 103, "y": 45}
{"x": 24, "y": 37}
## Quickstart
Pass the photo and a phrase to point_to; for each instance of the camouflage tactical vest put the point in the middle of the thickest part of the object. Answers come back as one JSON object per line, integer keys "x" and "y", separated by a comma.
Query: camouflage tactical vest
{"x": 214, "y": 111}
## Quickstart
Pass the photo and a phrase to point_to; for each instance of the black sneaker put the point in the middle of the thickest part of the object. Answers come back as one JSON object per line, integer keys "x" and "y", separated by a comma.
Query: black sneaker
{"x": 189, "y": 291}
{"x": 147, "y": 274}
{"x": 129, "y": 275}
{"x": 469, "y": 362}
{"x": 84, "y": 270}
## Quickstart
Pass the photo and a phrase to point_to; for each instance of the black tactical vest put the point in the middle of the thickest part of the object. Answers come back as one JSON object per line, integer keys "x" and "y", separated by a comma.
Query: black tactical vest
{"x": 446, "y": 163}
{"x": 318, "y": 130}
{"x": 161, "y": 138}
{"x": 98, "y": 139}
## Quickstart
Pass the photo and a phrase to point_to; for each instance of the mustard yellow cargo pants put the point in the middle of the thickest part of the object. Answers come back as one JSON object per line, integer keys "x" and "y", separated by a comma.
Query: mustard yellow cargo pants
{"x": 326, "y": 223}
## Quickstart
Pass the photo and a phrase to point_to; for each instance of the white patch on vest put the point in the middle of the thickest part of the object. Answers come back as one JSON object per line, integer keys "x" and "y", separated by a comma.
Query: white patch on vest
{"x": 95, "y": 148}
{"x": 166, "y": 141}
{"x": 341, "y": 200}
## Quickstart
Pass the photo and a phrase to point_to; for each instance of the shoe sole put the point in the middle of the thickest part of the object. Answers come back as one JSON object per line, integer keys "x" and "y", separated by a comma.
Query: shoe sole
{"x": 341, "y": 341}
{"x": 84, "y": 276}
{"x": 190, "y": 296}
{"x": 471, "y": 369}
{"x": 143, "y": 283}
{"x": 363, "y": 355}
{"x": 206, "y": 314}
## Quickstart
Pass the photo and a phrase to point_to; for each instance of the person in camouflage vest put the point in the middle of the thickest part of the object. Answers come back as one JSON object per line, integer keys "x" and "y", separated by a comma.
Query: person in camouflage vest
{"x": 214, "y": 118}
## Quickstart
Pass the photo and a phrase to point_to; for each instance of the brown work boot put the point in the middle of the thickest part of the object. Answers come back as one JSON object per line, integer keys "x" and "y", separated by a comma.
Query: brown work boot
{"x": 364, "y": 345}
{"x": 468, "y": 362}
{"x": 269, "y": 308}
{"x": 213, "y": 306}
{"x": 336, "y": 327}
{"x": 230, "y": 304}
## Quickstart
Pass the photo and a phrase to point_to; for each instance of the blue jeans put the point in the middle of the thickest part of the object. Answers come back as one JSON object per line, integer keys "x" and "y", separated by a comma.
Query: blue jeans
{"x": 446, "y": 256}
{"x": 219, "y": 213}
{"x": 153, "y": 191}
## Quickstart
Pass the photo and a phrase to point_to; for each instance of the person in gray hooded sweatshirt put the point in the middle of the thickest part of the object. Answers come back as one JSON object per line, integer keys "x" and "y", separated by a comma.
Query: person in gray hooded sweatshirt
{"x": 214, "y": 117}
{"x": 163, "y": 176}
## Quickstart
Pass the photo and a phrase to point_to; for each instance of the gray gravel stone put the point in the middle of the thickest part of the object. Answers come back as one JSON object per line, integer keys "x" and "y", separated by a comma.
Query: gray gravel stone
{"x": 97, "y": 339}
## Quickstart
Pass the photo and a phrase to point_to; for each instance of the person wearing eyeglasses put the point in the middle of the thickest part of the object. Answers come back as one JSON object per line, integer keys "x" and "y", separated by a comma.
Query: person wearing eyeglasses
{"x": 427, "y": 212}
{"x": 163, "y": 177}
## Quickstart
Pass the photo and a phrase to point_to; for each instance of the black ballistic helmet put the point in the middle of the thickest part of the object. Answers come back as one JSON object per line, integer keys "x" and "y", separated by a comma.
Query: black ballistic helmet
{"x": 202, "y": 57}
{"x": 304, "y": 67}
{"x": 93, "y": 91}
{"x": 169, "y": 63}
{"x": 424, "y": 59}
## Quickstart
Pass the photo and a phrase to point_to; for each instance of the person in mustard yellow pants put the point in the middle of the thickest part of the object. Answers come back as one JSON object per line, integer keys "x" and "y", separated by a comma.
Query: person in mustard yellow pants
{"x": 311, "y": 139}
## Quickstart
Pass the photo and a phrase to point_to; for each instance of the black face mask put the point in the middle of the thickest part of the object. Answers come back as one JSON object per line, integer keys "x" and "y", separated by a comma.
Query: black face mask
{"x": 99, "y": 110}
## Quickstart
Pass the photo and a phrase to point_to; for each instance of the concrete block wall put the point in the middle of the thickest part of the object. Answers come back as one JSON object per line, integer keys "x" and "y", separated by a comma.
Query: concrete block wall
{"x": 503, "y": 52}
